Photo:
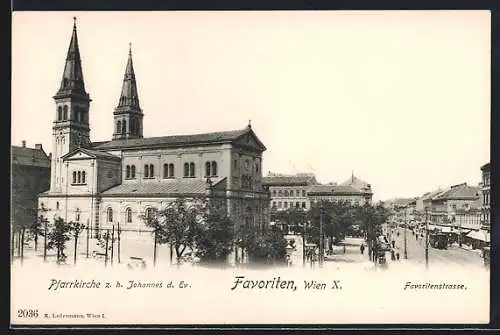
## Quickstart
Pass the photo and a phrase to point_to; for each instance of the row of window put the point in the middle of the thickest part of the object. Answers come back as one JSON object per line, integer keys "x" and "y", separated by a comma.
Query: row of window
{"x": 78, "y": 114}
{"x": 285, "y": 204}
{"x": 121, "y": 126}
{"x": 79, "y": 178}
{"x": 288, "y": 193}
{"x": 128, "y": 214}
{"x": 169, "y": 170}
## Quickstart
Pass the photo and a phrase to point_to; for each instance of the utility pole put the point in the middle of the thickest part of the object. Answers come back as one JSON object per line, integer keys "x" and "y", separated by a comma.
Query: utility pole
{"x": 406, "y": 223}
{"x": 321, "y": 253}
{"x": 426, "y": 240}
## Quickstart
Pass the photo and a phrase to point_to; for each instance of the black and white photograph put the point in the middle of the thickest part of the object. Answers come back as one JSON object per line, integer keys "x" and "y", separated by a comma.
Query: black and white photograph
{"x": 250, "y": 167}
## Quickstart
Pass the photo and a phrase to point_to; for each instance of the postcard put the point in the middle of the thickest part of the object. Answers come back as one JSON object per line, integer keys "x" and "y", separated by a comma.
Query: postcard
{"x": 260, "y": 167}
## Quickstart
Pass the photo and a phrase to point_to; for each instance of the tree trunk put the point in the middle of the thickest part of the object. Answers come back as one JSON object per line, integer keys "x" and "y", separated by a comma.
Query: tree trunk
{"x": 22, "y": 245}
{"x": 154, "y": 249}
{"x": 76, "y": 244}
{"x": 36, "y": 241}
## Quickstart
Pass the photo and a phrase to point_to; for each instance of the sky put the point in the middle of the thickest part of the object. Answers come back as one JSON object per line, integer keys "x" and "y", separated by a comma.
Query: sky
{"x": 400, "y": 98}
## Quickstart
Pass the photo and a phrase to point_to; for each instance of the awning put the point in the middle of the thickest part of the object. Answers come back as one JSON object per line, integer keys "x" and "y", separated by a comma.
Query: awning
{"x": 479, "y": 235}
{"x": 444, "y": 229}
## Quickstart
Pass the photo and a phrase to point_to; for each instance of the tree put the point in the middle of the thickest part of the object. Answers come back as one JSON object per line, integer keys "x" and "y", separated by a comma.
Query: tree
{"x": 58, "y": 236}
{"x": 264, "y": 247}
{"x": 178, "y": 224}
{"x": 36, "y": 229}
{"x": 215, "y": 240}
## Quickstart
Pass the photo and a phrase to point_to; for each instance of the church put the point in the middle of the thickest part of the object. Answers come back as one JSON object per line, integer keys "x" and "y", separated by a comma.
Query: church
{"x": 123, "y": 179}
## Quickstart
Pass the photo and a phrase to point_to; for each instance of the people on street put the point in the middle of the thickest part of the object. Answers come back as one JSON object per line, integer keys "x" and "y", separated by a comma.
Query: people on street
{"x": 344, "y": 249}
{"x": 397, "y": 256}
{"x": 393, "y": 257}
{"x": 393, "y": 243}
{"x": 362, "y": 248}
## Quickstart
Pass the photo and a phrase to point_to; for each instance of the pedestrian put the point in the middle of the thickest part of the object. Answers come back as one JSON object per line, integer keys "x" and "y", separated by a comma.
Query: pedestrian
{"x": 397, "y": 256}
{"x": 393, "y": 243}
{"x": 362, "y": 248}
{"x": 344, "y": 248}
{"x": 393, "y": 258}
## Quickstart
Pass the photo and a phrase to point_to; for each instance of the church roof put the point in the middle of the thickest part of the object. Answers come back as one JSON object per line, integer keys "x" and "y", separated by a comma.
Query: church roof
{"x": 72, "y": 79}
{"x": 165, "y": 188}
{"x": 29, "y": 157}
{"x": 178, "y": 140}
{"x": 297, "y": 180}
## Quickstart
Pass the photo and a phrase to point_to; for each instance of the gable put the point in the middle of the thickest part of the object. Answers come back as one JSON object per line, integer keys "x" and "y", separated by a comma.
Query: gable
{"x": 77, "y": 155}
{"x": 250, "y": 141}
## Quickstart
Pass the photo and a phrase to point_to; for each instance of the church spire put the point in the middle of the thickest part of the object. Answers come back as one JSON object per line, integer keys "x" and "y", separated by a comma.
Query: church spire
{"x": 129, "y": 95}
{"x": 128, "y": 114}
{"x": 72, "y": 79}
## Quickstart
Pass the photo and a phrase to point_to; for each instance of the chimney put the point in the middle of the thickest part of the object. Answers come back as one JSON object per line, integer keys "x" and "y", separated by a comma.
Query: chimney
{"x": 24, "y": 144}
{"x": 38, "y": 146}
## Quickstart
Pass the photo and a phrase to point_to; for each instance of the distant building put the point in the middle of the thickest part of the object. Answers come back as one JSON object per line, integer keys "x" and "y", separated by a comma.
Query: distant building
{"x": 30, "y": 175}
{"x": 362, "y": 186}
{"x": 485, "y": 197}
{"x": 458, "y": 206}
{"x": 288, "y": 191}
{"x": 333, "y": 193}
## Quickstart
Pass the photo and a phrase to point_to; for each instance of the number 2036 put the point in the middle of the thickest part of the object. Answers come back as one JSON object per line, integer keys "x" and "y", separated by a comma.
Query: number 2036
{"x": 27, "y": 313}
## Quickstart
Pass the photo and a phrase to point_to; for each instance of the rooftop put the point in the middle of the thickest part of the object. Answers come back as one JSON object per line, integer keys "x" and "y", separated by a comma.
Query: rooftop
{"x": 165, "y": 188}
{"x": 333, "y": 190}
{"x": 289, "y": 180}
{"x": 459, "y": 192}
{"x": 29, "y": 157}
{"x": 179, "y": 140}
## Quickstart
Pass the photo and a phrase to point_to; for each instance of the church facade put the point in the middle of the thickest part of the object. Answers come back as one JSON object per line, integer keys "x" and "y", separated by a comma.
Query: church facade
{"x": 118, "y": 181}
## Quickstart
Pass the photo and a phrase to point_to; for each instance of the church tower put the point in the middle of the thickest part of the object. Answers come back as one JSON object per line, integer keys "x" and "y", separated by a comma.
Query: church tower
{"x": 128, "y": 114}
{"x": 71, "y": 126}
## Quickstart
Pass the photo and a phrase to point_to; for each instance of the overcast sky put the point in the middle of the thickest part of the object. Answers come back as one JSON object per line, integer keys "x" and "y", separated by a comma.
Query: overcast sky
{"x": 401, "y": 98}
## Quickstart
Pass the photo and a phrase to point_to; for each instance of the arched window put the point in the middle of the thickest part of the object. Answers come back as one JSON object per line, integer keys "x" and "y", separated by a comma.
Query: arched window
{"x": 274, "y": 193}
{"x": 132, "y": 172}
{"x": 65, "y": 112}
{"x": 146, "y": 171}
{"x": 186, "y": 169}
{"x": 83, "y": 177}
{"x": 214, "y": 168}
{"x": 286, "y": 193}
{"x": 149, "y": 212}
{"x": 151, "y": 171}
{"x": 207, "y": 169}
{"x": 59, "y": 113}
{"x": 191, "y": 170}
{"x": 118, "y": 126}
{"x": 132, "y": 126}
{"x": 280, "y": 193}
{"x": 171, "y": 170}
{"x": 74, "y": 177}
{"x": 256, "y": 167}
{"x": 82, "y": 115}
{"x": 127, "y": 172}
{"x": 79, "y": 177}
{"x": 128, "y": 213}
{"x": 286, "y": 204}
{"x": 109, "y": 215}
{"x": 124, "y": 127}
{"x": 165, "y": 170}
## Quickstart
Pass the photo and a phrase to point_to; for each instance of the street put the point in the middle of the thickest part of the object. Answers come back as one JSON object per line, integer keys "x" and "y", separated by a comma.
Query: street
{"x": 454, "y": 255}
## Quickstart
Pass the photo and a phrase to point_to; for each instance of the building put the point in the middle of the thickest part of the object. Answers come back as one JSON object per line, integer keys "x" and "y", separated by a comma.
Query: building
{"x": 30, "y": 175}
{"x": 362, "y": 186}
{"x": 485, "y": 197}
{"x": 124, "y": 178}
{"x": 458, "y": 206}
{"x": 337, "y": 193}
{"x": 289, "y": 191}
